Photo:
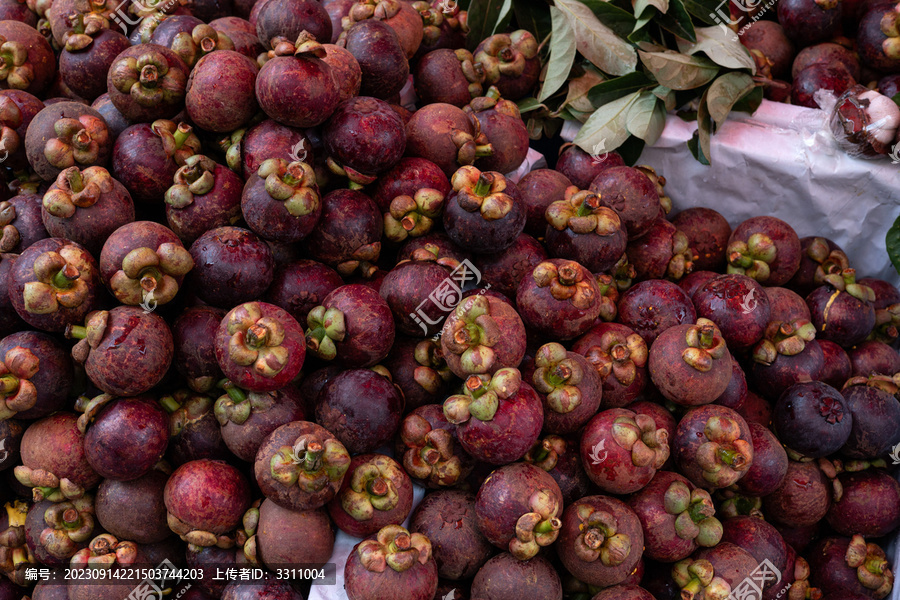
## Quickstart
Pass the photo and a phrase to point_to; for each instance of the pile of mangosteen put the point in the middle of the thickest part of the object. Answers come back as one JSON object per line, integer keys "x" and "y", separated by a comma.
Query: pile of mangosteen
{"x": 249, "y": 300}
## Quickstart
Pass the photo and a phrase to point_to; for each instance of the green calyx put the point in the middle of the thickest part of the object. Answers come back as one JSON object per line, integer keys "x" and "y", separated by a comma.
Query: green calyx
{"x": 413, "y": 216}
{"x": 704, "y": 345}
{"x": 179, "y": 140}
{"x": 694, "y": 514}
{"x": 482, "y": 191}
{"x": 537, "y": 528}
{"x": 374, "y": 485}
{"x": 148, "y": 79}
{"x": 787, "y": 339}
{"x": 753, "y": 257}
{"x": 431, "y": 371}
{"x": 14, "y": 66}
{"x": 256, "y": 340}
{"x": 872, "y": 567}
{"x": 580, "y": 211}
{"x": 311, "y": 464}
{"x": 394, "y": 547}
{"x": 17, "y": 392}
{"x": 202, "y": 40}
{"x": 195, "y": 177}
{"x": 725, "y": 456}
{"x": 639, "y": 435}
{"x": 545, "y": 453}
{"x": 471, "y": 333}
{"x": 67, "y": 524}
{"x": 185, "y": 407}
{"x": 506, "y": 54}
{"x": 430, "y": 452}
{"x": 619, "y": 356}
{"x": 77, "y": 142}
{"x": 599, "y": 538}
{"x": 558, "y": 375}
{"x": 150, "y": 275}
{"x": 845, "y": 281}
{"x": 61, "y": 281}
{"x": 697, "y": 579}
{"x": 74, "y": 189}
{"x": 236, "y": 404}
{"x": 292, "y": 183}
{"x": 482, "y": 395}
{"x": 326, "y": 327}
{"x": 567, "y": 281}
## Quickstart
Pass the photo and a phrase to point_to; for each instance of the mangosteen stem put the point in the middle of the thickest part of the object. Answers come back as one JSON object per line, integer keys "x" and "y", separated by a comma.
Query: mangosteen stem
{"x": 691, "y": 589}
{"x": 707, "y": 334}
{"x": 77, "y": 332}
{"x": 312, "y": 458}
{"x": 698, "y": 511}
{"x": 483, "y": 186}
{"x": 729, "y": 457}
{"x": 588, "y": 205}
{"x": 8, "y": 384}
{"x": 236, "y": 394}
{"x": 475, "y": 387}
{"x": 182, "y": 133}
{"x": 545, "y": 526}
{"x": 257, "y": 336}
{"x": 560, "y": 375}
{"x": 149, "y": 76}
{"x": 377, "y": 487}
{"x": 169, "y": 403}
{"x": 71, "y": 519}
{"x": 541, "y": 453}
{"x": 75, "y": 180}
{"x": 65, "y": 277}
{"x": 876, "y": 566}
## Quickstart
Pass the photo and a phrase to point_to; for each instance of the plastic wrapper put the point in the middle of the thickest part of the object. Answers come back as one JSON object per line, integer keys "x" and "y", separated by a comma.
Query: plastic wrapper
{"x": 863, "y": 122}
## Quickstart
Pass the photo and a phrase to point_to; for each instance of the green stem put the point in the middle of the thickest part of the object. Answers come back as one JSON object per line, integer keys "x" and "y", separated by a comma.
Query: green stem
{"x": 483, "y": 186}
{"x": 8, "y": 384}
{"x": 169, "y": 403}
{"x": 78, "y": 332}
{"x": 236, "y": 394}
{"x": 64, "y": 278}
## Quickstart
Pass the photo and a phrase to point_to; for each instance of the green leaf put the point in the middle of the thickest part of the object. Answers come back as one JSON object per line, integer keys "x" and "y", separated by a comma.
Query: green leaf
{"x": 630, "y": 150}
{"x": 892, "y": 241}
{"x": 750, "y": 102}
{"x": 617, "y": 19}
{"x": 641, "y": 6}
{"x": 646, "y": 117}
{"x": 579, "y": 87}
{"x": 533, "y": 16}
{"x": 694, "y": 147}
{"x": 678, "y": 71}
{"x": 896, "y": 99}
{"x": 504, "y": 19}
{"x": 529, "y": 104}
{"x": 614, "y": 89}
{"x": 704, "y": 127}
{"x": 666, "y": 95}
{"x": 562, "y": 54}
{"x": 703, "y": 10}
{"x": 606, "y": 129}
{"x": 725, "y": 92}
{"x": 483, "y": 17}
{"x": 722, "y": 46}
{"x": 678, "y": 21}
{"x": 597, "y": 42}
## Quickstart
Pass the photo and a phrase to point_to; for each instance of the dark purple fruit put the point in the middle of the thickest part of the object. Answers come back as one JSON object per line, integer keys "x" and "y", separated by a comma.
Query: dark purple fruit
{"x": 37, "y": 375}
{"x": 803, "y": 498}
{"x": 286, "y": 537}
{"x": 770, "y": 463}
{"x": 817, "y": 77}
{"x": 651, "y": 307}
{"x": 381, "y": 57}
{"x": 389, "y": 561}
{"x": 869, "y": 504}
{"x": 86, "y": 58}
{"x": 632, "y": 194}
{"x": 204, "y": 196}
{"x": 764, "y": 248}
{"x": 690, "y": 364}
{"x": 708, "y": 233}
{"x": 738, "y": 305}
{"x": 446, "y": 136}
{"x": 712, "y": 446}
{"x": 220, "y": 94}
{"x": 504, "y": 577}
{"x": 806, "y": 22}
{"x": 33, "y": 66}
{"x": 484, "y": 213}
{"x": 231, "y": 266}
{"x": 147, "y": 82}
{"x": 559, "y": 299}
{"x": 279, "y": 18}
{"x": 842, "y": 310}
{"x": 134, "y": 509}
{"x": 194, "y": 333}
{"x": 876, "y": 417}
{"x": 348, "y": 234}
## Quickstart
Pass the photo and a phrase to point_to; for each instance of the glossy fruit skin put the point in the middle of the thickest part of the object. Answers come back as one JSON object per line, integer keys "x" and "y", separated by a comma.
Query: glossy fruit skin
{"x": 581, "y": 168}
{"x": 430, "y": 131}
{"x": 806, "y": 22}
{"x": 875, "y": 422}
{"x": 244, "y": 440}
{"x": 209, "y": 495}
{"x": 362, "y": 408}
{"x": 41, "y": 130}
{"x": 871, "y": 38}
{"x": 770, "y": 463}
{"x": 141, "y": 165}
{"x": 194, "y": 332}
{"x": 126, "y": 438}
{"x": 508, "y": 436}
{"x": 813, "y": 419}
{"x": 405, "y": 289}
{"x": 231, "y": 266}
{"x": 22, "y": 273}
{"x": 849, "y": 320}
{"x": 691, "y": 434}
{"x": 370, "y": 325}
{"x": 350, "y": 229}
{"x": 651, "y": 307}
{"x": 296, "y": 91}
{"x": 868, "y": 505}
{"x": 419, "y": 582}
{"x": 505, "y": 576}
{"x": 504, "y": 497}
{"x": 460, "y": 549}
{"x": 830, "y": 572}
{"x": 708, "y": 233}
{"x": 475, "y": 232}
{"x": 365, "y": 134}
{"x": 630, "y": 193}
{"x": 738, "y": 305}
{"x": 55, "y": 376}
{"x": 554, "y": 318}
{"x": 164, "y": 109}
{"x": 85, "y": 71}
{"x": 596, "y": 573}
{"x": 802, "y": 499}
{"x": 249, "y": 376}
{"x": 134, "y": 353}
{"x": 289, "y": 19}
{"x": 661, "y": 541}
{"x": 55, "y": 444}
{"x": 220, "y": 91}
{"x": 399, "y": 481}
{"x": 819, "y": 76}
{"x": 380, "y": 54}
{"x": 782, "y": 236}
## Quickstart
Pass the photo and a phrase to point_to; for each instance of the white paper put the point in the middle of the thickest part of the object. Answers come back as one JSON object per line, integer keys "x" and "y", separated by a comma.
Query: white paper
{"x": 784, "y": 163}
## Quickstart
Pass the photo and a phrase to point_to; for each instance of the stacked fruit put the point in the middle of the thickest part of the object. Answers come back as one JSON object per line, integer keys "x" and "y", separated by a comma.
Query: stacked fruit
{"x": 247, "y": 298}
